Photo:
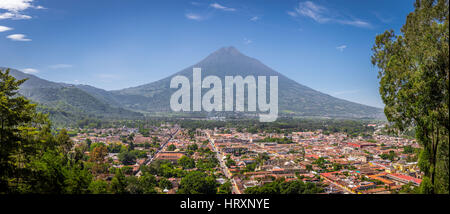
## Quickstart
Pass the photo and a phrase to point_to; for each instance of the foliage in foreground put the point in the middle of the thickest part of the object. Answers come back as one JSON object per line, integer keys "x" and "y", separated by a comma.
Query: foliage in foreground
{"x": 414, "y": 85}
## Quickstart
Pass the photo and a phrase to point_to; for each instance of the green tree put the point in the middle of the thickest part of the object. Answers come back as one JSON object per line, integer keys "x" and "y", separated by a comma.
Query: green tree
{"x": 133, "y": 185}
{"x": 77, "y": 179}
{"x": 171, "y": 147}
{"x": 230, "y": 162}
{"x": 64, "y": 142}
{"x": 164, "y": 183}
{"x": 47, "y": 174}
{"x": 251, "y": 167}
{"x": 148, "y": 183}
{"x": 414, "y": 84}
{"x": 225, "y": 188}
{"x": 98, "y": 187}
{"x": 192, "y": 147}
{"x": 127, "y": 157}
{"x": 408, "y": 150}
{"x": 280, "y": 186}
{"x": 186, "y": 162}
{"x": 16, "y": 113}
{"x": 32, "y": 159}
{"x": 118, "y": 183}
{"x": 197, "y": 183}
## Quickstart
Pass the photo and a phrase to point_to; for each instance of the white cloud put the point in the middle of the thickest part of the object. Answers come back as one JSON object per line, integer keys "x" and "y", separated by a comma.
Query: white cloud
{"x": 254, "y": 18}
{"x": 4, "y": 28}
{"x": 221, "y": 7}
{"x": 15, "y": 7}
{"x": 383, "y": 18}
{"x": 14, "y": 16}
{"x": 30, "y": 70}
{"x": 292, "y": 13}
{"x": 321, "y": 14}
{"x": 247, "y": 41}
{"x": 60, "y": 66}
{"x": 356, "y": 23}
{"x": 341, "y": 48}
{"x": 313, "y": 11}
{"x": 39, "y": 7}
{"x": 194, "y": 16}
{"x": 18, "y": 37}
{"x": 204, "y": 16}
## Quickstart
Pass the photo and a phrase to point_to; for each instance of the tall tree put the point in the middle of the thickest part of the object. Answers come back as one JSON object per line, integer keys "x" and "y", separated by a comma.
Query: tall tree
{"x": 64, "y": 141}
{"x": 119, "y": 183}
{"x": 97, "y": 158}
{"x": 414, "y": 85}
{"x": 32, "y": 159}
{"x": 16, "y": 113}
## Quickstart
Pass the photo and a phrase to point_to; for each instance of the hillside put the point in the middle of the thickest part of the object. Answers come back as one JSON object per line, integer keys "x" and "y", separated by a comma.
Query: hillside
{"x": 67, "y": 102}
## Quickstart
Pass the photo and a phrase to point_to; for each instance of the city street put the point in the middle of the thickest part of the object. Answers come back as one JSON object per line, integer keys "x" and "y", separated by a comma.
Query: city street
{"x": 226, "y": 171}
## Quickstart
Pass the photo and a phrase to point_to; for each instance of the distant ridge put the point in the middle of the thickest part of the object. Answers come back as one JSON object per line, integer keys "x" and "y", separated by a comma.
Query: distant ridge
{"x": 66, "y": 102}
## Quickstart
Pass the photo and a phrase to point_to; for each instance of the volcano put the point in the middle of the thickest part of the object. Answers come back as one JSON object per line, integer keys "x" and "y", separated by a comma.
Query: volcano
{"x": 294, "y": 99}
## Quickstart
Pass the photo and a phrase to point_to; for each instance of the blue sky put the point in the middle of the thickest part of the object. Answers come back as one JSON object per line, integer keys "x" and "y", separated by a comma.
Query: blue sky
{"x": 114, "y": 44}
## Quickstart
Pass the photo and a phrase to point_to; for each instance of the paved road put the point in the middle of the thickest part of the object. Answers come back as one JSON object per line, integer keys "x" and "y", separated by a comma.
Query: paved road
{"x": 151, "y": 158}
{"x": 226, "y": 171}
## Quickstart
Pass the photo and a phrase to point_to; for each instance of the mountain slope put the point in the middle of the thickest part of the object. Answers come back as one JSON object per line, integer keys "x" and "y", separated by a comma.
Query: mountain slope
{"x": 102, "y": 95}
{"x": 294, "y": 98}
{"x": 68, "y": 100}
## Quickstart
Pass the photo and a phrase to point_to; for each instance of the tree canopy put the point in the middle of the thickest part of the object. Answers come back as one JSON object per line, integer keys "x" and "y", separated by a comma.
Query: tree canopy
{"x": 197, "y": 182}
{"x": 32, "y": 158}
{"x": 414, "y": 85}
